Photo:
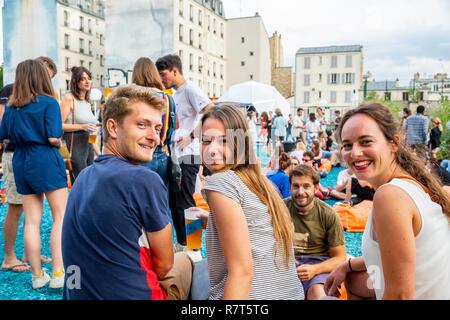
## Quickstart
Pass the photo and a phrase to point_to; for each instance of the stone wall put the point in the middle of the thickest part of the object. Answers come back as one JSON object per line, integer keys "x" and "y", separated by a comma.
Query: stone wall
{"x": 283, "y": 80}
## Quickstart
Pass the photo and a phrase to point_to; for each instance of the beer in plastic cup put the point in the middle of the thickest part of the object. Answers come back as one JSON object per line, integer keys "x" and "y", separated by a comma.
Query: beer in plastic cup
{"x": 92, "y": 136}
{"x": 194, "y": 227}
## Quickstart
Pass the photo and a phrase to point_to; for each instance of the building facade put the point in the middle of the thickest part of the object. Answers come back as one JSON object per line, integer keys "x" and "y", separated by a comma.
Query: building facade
{"x": 426, "y": 91}
{"x": 248, "y": 51}
{"x": 81, "y": 40}
{"x": 329, "y": 77}
{"x": 193, "y": 29}
{"x": 76, "y": 25}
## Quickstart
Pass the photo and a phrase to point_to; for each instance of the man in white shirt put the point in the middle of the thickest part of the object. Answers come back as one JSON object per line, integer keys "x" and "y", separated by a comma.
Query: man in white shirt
{"x": 191, "y": 104}
{"x": 299, "y": 125}
{"x": 322, "y": 118}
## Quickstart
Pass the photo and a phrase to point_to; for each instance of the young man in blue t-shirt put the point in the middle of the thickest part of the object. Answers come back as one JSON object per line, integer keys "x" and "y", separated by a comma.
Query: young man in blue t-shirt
{"x": 117, "y": 239}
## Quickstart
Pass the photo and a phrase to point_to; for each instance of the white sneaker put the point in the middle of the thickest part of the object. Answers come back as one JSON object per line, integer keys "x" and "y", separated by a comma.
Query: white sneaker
{"x": 196, "y": 256}
{"x": 39, "y": 282}
{"x": 57, "y": 280}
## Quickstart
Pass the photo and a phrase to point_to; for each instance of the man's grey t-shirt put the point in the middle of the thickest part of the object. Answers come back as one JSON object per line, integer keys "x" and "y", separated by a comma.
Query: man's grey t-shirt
{"x": 190, "y": 101}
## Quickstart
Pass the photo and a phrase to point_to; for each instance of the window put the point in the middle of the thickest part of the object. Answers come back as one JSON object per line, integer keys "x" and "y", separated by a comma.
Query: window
{"x": 320, "y": 77}
{"x": 252, "y": 53}
{"x": 251, "y": 77}
{"x": 191, "y": 13}
{"x": 436, "y": 88}
{"x": 191, "y": 62}
{"x": 307, "y": 63}
{"x": 320, "y": 60}
{"x": 242, "y": 39}
{"x": 214, "y": 26}
{"x": 180, "y": 32}
{"x": 306, "y": 96}
{"x": 221, "y": 71}
{"x": 214, "y": 69}
{"x": 334, "y": 60}
{"x": 333, "y": 78}
{"x": 89, "y": 26}
{"x": 387, "y": 96}
{"x": 102, "y": 40}
{"x": 200, "y": 64}
{"x": 320, "y": 94}
{"x": 180, "y": 54}
{"x": 348, "y": 61}
{"x": 102, "y": 82}
{"x": 200, "y": 17}
{"x": 214, "y": 90}
{"x": 82, "y": 63}
{"x": 349, "y": 78}
{"x": 209, "y": 22}
{"x": 221, "y": 30}
{"x": 66, "y": 41}
{"x": 181, "y": 4}
{"x": 421, "y": 96}
{"x": 67, "y": 63}
{"x": 348, "y": 96}
{"x": 405, "y": 96}
{"x": 333, "y": 97}
{"x": 81, "y": 45}
{"x": 90, "y": 65}
{"x": 199, "y": 40}
{"x": 307, "y": 80}
{"x": 66, "y": 18}
{"x": 81, "y": 24}
{"x": 242, "y": 63}
{"x": 191, "y": 37}
{"x": 102, "y": 61}
{"x": 90, "y": 48}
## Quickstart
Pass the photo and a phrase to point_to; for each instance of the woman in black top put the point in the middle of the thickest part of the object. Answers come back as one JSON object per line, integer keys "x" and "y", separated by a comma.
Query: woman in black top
{"x": 435, "y": 135}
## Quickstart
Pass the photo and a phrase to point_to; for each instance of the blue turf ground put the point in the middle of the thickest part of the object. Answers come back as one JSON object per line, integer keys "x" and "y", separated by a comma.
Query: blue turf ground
{"x": 17, "y": 286}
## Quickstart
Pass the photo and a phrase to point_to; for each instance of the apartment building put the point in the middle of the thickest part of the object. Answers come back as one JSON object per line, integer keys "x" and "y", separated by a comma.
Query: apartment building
{"x": 81, "y": 39}
{"x": 193, "y": 29}
{"x": 248, "y": 50}
{"x": 329, "y": 77}
{"x": 72, "y": 34}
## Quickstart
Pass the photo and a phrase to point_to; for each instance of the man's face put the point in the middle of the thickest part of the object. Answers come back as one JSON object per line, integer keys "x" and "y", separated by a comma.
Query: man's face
{"x": 139, "y": 134}
{"x": 308, "y": 161}
{"x": 168, "y": 78}
{"x": 303, "y": 190}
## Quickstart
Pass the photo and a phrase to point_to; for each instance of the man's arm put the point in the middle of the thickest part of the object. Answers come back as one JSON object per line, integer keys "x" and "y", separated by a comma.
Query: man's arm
{"x": 161, "y": 248}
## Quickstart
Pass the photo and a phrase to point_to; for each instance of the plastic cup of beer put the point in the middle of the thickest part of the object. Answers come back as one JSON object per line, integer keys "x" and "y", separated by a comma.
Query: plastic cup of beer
{"x": 92, "y": 136}
{"x": 194, "y": 227}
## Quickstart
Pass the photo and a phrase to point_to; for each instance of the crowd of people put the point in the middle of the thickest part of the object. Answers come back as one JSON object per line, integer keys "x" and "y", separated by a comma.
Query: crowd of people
{"x": 269, "y": 233}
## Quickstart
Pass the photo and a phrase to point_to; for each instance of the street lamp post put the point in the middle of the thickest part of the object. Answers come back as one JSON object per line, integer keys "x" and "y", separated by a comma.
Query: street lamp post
{"x": 365, "y": 86}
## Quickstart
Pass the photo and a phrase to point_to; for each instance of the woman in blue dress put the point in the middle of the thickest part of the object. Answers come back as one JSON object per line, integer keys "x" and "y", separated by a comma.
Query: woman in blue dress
{"x": 32, "y": 121}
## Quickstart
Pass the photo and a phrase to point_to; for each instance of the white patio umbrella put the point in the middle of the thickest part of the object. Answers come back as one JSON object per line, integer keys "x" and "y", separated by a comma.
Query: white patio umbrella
{"x": 262, "y": 96}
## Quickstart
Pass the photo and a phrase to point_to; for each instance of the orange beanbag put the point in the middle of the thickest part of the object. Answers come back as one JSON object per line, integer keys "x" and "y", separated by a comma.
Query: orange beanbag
{"x": 354, "y": 218}
{"x": 325, "y": 165}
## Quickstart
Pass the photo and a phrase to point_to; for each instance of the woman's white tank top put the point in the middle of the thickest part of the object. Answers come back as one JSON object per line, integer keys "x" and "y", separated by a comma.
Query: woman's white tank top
{"x": 432, "y": 273}
{"x": 83, "y": 113}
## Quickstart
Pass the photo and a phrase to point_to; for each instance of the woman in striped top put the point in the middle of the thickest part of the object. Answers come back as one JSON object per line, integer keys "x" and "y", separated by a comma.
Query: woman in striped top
{"x": 249, "y": 233}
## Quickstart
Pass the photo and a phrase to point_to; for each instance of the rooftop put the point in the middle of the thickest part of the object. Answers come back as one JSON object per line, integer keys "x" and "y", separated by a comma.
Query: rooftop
{"x": 330, "y": 49}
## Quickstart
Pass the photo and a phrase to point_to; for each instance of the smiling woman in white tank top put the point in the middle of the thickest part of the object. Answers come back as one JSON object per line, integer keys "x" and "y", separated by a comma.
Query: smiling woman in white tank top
{"x": 406, "y": 243}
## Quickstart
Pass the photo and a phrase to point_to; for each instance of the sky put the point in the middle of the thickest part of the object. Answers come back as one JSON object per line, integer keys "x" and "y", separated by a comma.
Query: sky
{"x": 400, "y": 37}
